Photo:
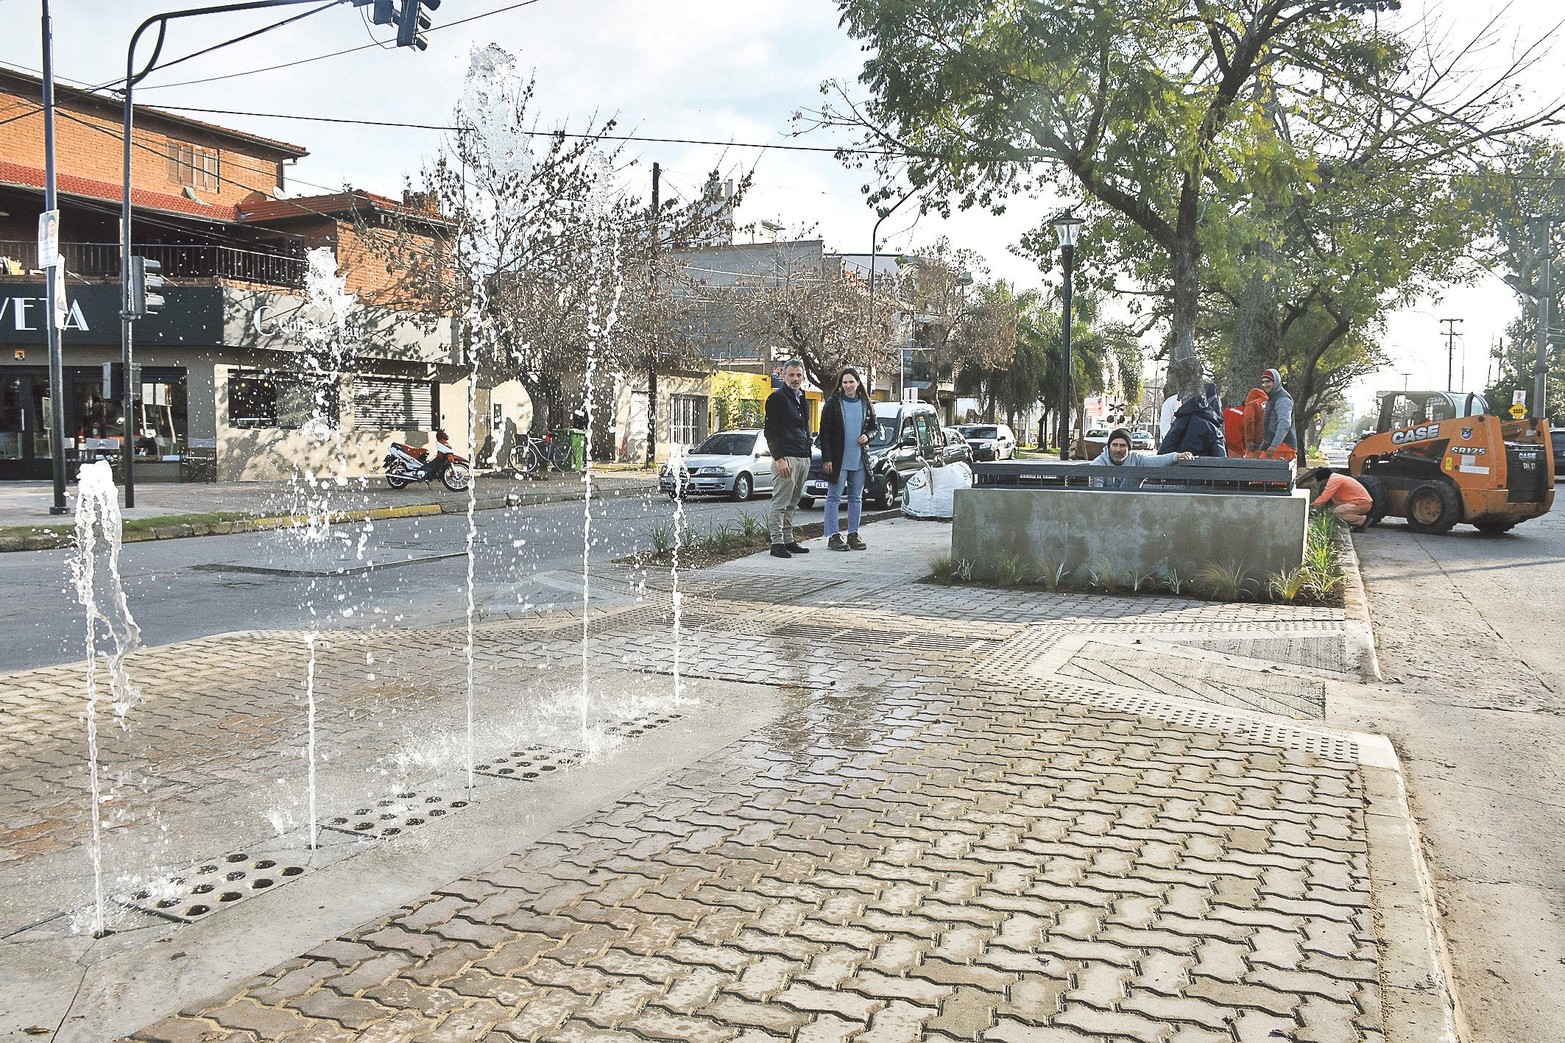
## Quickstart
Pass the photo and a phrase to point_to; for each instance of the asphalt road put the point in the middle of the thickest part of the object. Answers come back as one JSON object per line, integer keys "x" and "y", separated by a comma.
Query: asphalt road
{"x": 1468, "y": 630}
{"x": 403, "y": 573}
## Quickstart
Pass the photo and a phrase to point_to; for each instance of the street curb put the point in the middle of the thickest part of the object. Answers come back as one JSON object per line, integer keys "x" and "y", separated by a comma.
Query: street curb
{"x": 1359, "y": 635}
{"x": 183, "y": 530}
{"x": 1418, "y": 993}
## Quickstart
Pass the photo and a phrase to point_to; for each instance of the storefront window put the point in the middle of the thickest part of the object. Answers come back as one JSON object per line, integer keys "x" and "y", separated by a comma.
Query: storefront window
{"x": 267, "y": 399}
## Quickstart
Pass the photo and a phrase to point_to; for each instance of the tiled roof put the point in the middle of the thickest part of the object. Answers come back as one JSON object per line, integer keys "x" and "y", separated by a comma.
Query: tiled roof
{"x": 262, "y": 211}
{"x": 140, "y": 198}
{"x": 64, "y": 91}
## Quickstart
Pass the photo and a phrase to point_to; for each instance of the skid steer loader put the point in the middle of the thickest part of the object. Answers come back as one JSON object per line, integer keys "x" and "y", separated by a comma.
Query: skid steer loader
{"x": 1438, "y": 458}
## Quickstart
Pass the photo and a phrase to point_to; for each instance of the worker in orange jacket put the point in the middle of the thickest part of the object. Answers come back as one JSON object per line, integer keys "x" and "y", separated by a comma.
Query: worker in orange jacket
{"x": 1254, "y": 422}
{"x": 1342, "y": 495}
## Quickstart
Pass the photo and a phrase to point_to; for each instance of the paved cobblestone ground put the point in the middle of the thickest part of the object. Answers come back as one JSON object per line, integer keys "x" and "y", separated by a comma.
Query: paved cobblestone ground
{"x": 928, "y": 862}
{"x": 913, "y": 853}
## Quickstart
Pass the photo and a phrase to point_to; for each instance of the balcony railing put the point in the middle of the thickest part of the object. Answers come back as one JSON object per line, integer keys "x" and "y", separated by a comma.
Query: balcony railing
{"x": 179, "y": 261}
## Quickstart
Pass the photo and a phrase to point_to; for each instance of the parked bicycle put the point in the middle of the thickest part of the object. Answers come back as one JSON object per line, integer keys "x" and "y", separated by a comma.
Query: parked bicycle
{"x": 541, "y": 453}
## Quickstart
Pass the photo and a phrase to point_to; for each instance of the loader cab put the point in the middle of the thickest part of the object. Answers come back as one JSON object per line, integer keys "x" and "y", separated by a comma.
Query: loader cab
{"x": 1399, "y": 409}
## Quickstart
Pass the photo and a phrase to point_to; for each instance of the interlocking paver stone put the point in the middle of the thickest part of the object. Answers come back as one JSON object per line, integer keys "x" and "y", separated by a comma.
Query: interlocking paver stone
{"x": 913, "y": 849}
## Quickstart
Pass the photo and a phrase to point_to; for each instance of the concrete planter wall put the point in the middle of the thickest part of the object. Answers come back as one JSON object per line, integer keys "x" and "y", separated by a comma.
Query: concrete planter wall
{"x": 1146, "y": 532}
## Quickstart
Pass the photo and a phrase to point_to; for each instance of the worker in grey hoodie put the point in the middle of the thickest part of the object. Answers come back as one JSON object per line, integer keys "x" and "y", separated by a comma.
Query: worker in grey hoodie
{"x": 1277, "y": 438}
{"x": 1117, "y": 454}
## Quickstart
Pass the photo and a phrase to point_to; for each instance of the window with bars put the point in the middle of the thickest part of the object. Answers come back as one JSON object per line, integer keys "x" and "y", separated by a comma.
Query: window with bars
{"x": 687, "y": 418}
{"x": 394, "y": 404}
{"x": 193, "y": 165}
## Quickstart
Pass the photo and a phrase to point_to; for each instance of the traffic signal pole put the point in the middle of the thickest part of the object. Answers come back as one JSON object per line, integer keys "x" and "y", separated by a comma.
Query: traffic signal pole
{"x": 55, "y": 273}
{"x": 409, "y": 21}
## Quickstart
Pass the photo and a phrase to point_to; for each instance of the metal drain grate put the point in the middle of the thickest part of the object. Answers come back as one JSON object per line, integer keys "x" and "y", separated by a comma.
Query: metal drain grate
{"x": 206, "y": 887}
{"x": 393, "y": 816}
{"x": 638, "y": 726}
{"x": 530, "y": 764}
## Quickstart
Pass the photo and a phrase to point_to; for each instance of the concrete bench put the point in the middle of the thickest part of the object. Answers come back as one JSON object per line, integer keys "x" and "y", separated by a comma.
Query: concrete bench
{"x": 1183, "y": 517}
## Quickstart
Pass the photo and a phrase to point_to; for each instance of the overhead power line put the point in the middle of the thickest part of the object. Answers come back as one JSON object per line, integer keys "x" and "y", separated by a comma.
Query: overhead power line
{"x": 833, "y": 149}
{"x": 335, "y": 54}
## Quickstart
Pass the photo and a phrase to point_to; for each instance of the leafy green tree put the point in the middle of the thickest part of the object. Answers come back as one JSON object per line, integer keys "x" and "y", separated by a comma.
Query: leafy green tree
{"x": 1198, "y": 133}
{"x": 1528, "y": 183}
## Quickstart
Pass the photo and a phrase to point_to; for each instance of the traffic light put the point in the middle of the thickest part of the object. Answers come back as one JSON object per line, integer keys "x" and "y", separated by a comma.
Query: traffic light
{"x": 384, "y": 12}
{"x": 411, "y": 21}
{"x": 145, "y": 281}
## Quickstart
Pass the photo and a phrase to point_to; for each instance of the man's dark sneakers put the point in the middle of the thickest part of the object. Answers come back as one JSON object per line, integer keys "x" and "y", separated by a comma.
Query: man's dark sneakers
{"x": 796, "y": 548}
{"x": 854, "y": 543}
{"x": 779, "y": 551}
{"x": 836, "y": 543}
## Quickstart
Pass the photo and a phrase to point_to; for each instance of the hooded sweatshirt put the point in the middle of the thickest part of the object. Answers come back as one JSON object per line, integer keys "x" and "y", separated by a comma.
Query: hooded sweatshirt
{"x": 1277, "y": 429}
{"x": 1254, "y": 422}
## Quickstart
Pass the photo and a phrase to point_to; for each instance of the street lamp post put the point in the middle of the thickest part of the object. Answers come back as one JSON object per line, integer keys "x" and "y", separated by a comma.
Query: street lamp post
{"x": 1065, "y": 226}
{"x": 874, "y": 251}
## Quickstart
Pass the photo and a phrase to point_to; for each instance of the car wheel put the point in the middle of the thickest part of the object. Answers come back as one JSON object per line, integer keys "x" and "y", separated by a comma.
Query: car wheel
{"x": 1433, "y": 508}
{"x": 744, "y": 487}
{"x": 888, "y": 492}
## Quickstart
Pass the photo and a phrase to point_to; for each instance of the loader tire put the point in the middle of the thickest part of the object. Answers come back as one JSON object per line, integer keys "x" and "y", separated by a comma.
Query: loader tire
{"x": 1377, "y": 494}
{"x": 1433, "y": 508}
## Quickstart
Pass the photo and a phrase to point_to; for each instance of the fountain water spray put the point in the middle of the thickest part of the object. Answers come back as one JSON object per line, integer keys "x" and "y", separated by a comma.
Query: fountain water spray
{"x": 98, "y": 516}
{"x": 322, "y": 327}
{"x": 676, "y": 466}
{"x": 602, "y": 312}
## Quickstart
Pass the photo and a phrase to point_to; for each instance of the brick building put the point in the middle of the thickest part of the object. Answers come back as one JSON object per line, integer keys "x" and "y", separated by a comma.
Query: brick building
{"x": 227, "y": 371}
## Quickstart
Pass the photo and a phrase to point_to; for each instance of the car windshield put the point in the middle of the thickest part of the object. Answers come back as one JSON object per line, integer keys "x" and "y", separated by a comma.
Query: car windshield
{"x": 1098, "y": 432}
{"x": 981, "y": 432}
{"x": 727, "y": 443}
{"x": 886, "y": 428}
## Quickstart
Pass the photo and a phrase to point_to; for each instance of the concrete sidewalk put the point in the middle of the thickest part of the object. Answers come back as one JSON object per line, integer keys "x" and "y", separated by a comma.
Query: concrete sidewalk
{"x": 878, "y": 809}
{"x": 26, "y": 505}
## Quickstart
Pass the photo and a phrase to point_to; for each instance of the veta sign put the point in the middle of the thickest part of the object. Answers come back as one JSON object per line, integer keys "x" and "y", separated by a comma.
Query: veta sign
{"x": 194, "y": 316}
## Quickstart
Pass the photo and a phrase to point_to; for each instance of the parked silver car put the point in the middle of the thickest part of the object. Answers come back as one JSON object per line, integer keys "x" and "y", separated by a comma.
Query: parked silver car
{"x": 728, "y": 463}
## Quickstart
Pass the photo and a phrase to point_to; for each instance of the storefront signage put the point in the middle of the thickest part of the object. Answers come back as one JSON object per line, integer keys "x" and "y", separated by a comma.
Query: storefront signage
{"x": 193, "y": 315}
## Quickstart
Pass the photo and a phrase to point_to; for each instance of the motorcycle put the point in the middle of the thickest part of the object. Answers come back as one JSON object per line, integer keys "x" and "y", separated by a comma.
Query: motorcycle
{"x": 409, "y": 463}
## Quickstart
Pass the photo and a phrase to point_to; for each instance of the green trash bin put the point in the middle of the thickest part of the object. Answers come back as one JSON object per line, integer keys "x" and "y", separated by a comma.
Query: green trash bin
{"x": 576, "y": 440}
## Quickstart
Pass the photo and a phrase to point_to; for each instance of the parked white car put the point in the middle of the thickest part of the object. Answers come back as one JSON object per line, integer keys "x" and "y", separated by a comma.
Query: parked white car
{"x": 990, "y": 441}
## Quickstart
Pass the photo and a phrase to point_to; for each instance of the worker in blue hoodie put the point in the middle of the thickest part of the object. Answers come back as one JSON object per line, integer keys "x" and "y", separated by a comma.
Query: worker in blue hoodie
{"x": 1198, "y": 426}
{"x": 1277, "y": 440}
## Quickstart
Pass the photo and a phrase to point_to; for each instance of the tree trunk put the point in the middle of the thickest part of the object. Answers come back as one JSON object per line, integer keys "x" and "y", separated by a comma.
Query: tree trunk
{"x": 1257, "y": 338}
{"x": 1184, "y": 365}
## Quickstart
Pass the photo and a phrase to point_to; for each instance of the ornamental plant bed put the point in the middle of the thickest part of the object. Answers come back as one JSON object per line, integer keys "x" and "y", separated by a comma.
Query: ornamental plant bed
{"x": 1318, "y": 581}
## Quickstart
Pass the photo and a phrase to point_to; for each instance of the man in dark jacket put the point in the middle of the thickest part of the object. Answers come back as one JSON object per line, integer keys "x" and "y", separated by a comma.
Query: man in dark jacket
{"x": 1277, "y": 435}
{"x": 788, "y": 437}
{"x": 1197, "y": 428}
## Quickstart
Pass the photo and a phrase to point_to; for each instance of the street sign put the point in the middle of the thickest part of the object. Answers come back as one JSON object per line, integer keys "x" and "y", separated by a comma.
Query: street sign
{"x": 1518, "y": 411}
{"x": 49, "y": 239}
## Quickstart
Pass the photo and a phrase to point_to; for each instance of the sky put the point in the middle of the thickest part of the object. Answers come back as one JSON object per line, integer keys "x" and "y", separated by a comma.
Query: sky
{"x": 732, "y": 71}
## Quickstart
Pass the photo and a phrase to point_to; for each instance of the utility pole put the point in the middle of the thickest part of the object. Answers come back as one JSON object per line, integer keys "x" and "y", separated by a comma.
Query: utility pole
{"x": 652, "y": 358}
{"x": 1450, "y": 350}
{"x": 56, "y": 272}
{"x": 1545, "y": 303}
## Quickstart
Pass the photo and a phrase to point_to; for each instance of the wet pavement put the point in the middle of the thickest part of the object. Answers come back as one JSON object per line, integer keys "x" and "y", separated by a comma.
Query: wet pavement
{"x": 879, "y": 809}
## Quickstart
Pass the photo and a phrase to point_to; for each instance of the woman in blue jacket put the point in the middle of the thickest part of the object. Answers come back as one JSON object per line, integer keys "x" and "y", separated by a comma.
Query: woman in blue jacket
{"x": 847, "y": 421}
